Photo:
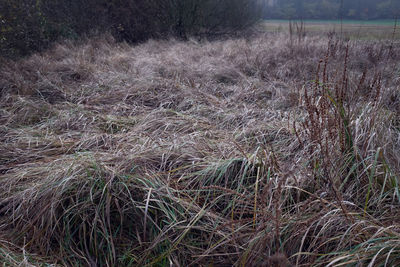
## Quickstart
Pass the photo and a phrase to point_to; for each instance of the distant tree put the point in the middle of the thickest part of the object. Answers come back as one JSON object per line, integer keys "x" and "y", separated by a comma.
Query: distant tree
{"x": 299, "y": 5}
{"x": 31, "y": 25}
{"x": 331, "y": 9}
{"x": 21, "y": 26}
{"x": 137, "y": 20}
{"x": 389, "y": 8}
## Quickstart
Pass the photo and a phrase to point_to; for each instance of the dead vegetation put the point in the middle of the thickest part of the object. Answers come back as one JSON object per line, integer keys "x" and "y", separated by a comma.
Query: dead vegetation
{"x": 246, "y": 152}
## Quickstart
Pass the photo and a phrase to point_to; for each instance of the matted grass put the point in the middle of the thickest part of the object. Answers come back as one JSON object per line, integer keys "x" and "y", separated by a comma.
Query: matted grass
{"x": 258, "y": 151}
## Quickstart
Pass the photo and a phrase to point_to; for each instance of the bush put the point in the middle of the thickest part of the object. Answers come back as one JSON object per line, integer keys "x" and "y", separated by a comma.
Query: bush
{"x": 31, "y": 25}
{"x": 21, "y": 27}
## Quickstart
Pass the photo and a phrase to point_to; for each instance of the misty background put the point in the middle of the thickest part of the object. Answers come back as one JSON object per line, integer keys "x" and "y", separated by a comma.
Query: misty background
{"x": 332, "y": 9}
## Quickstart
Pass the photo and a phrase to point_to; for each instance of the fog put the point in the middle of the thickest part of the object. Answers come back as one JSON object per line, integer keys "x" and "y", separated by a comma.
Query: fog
{"x": 333, "y": 9}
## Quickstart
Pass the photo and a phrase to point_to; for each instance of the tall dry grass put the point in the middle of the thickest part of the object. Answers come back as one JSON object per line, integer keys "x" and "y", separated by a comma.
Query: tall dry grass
{"x": 253, "y": 151}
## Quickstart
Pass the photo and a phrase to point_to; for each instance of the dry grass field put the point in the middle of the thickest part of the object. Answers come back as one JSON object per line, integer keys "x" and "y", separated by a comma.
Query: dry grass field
{"x": 257, "y": 151}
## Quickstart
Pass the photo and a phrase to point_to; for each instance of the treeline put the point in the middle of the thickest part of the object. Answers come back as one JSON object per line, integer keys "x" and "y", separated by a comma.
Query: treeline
{"x": 31, "y": 25}
{"x": 333, "y": 9}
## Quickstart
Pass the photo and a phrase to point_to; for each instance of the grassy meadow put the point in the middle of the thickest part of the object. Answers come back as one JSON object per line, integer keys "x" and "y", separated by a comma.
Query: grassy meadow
{"x": 350, "y": 29}
{"x": 264, "y": 150}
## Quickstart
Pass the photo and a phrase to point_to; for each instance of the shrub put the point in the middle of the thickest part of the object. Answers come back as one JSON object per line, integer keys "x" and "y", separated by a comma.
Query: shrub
{"x": 32, "y": 25}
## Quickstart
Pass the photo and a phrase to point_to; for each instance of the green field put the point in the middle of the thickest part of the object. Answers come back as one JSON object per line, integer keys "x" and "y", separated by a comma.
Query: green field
{"x": 353, "y": 29}
{"x": 382, "y": 22}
